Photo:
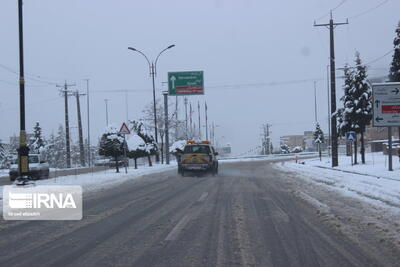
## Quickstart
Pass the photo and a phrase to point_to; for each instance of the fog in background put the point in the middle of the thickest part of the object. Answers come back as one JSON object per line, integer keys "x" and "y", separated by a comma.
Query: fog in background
{"x": 260, "y": 59}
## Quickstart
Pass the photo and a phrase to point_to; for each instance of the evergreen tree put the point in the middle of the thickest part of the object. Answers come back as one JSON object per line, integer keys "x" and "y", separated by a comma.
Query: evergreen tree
{"x": 344, "y": 114}
{"x": 55, "y": 149}
{"x": 394, "y": 74}
{"x": 363, "y": 102}
{"x": 319, "y": 138}
{"x": 112, "y": 145}
{"x": 356, "y": 113}
{"x": 2, "y": 155}
{"x": 37, "y": 141}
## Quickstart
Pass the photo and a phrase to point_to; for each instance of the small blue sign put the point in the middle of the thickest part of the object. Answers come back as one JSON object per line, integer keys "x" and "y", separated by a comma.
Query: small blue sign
{"x": 351, "y": 136}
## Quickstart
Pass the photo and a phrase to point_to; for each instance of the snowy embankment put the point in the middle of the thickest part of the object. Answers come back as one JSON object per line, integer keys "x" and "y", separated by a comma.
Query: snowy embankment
{"x": 371, "y": 182}
{"x": 101, "y": 180}
{"x": 272, "y": 157}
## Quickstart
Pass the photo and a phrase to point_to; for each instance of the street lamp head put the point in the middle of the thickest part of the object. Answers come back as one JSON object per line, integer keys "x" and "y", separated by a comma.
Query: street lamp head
{"x": 169, "y": 47}
{"x": 131, "y": 48}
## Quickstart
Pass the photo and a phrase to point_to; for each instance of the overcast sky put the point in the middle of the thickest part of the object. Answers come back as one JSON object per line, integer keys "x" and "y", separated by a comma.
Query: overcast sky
{"x": 259, "y": 58}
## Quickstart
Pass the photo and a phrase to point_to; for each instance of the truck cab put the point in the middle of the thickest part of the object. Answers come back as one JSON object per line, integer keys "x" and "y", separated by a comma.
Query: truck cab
{"x": 198, "y": 156}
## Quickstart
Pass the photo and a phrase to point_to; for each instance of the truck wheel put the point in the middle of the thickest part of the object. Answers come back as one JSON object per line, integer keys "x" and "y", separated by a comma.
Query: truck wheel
{"x": 12, "y": 178}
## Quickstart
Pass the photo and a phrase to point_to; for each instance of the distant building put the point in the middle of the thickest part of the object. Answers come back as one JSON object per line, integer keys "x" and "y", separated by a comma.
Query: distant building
{"x": 292, "y": 140}
{"x": 379, "y": 133}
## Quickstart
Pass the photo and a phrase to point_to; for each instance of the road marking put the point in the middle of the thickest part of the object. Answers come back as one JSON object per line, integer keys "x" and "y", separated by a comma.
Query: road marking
{"x": 178, "y": 228}
{"x": 202, "y": 197}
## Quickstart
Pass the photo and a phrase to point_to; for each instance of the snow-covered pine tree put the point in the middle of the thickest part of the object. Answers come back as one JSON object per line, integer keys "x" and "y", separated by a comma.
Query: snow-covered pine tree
{"x": 344, "y": 114}
{"x": 319, "y": 138}
{"x": 2, "y": 155}
{"x": 363, "y": 102}
{"x": 112, "y": 145}
{"x": 56, "y": 149}
{"x": 394, "y": 74}
{"x": 38, "y": 142}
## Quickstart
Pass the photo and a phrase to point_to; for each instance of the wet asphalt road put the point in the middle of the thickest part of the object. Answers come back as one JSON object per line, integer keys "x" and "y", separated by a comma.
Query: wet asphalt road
{"x": 245, "y": 216}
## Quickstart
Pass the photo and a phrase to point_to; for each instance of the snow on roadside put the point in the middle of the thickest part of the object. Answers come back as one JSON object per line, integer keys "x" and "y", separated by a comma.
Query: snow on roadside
{"x": 267, "y": 157}
{"x": 383, "y": 191}
{"x": 102, "y": 179}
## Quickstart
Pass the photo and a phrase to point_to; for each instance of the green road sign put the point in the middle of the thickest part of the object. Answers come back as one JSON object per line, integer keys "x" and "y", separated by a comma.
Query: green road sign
{"x": 185, "y": 83}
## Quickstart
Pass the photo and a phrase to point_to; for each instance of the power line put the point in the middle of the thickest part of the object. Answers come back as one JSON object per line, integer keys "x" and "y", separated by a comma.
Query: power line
{"x": 379, "y": 58}
{"x": 36, "y": 78}
{"x": 369, "y": 10}
{"x": 333, "y": 9}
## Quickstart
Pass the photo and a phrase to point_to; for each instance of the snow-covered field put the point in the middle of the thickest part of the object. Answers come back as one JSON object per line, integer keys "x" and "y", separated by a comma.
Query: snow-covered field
{"x": 371, "y": 182}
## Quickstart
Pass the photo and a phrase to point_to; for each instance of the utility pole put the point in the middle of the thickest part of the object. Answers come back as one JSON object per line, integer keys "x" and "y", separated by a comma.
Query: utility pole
{"x": 212, "y": 134}
{"x": 166, "y": 127}
{"x": 315, "y": 102}
{"x": 198, "y": 111}
{"x": 88, "y": 122}
{"x": 23, "y": 150}
{"x": 176, "y": 117}
{"x": 186, "y": 119}
{"x": 67, "y": 138}
{"x": 329, "y": 113}
{"x": 334, "y": 135}
{"x": 191, "y": 120}
{"x": 266, "y": 143}
{"x": 81, "y": 148}
{"x": 126, "y": 106}
{"x": 205, "y": 107}
{"x": 106, "y": 101}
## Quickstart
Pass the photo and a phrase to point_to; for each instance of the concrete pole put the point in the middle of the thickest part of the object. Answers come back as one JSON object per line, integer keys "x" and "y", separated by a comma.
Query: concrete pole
{"x": 166, "y": 127}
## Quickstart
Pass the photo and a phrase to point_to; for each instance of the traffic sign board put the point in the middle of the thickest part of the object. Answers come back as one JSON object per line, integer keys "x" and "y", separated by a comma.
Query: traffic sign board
{"x": 186, "y": 83}
{"x": 124, "y": 129}
{"x": 351, "y": 136}
{"x": 386, "y": 104}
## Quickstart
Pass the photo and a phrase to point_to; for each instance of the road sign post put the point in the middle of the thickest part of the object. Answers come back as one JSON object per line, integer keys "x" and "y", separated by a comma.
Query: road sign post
{"x": 386, "y": 110}
{"x": 124, "y": 130}
{"x": 186, "y": 83}
{"x": 350, "y": 138}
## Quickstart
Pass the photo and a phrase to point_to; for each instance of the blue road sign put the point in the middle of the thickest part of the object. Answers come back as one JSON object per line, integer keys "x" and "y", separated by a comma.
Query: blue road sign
{"x": 351, "y": 136}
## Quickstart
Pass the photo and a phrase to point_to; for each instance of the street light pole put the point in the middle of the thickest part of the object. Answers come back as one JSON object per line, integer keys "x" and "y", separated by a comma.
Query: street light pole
{"x": 106, "y": 102}
{"x": 23, "y": 150}
{"x": 153, "y": 73}
{"x": 88, "y": 122}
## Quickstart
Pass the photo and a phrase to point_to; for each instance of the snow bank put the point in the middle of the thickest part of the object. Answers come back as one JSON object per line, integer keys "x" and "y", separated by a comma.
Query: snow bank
{"x": 371, "y": 182}
{"x": 101, "y": 180}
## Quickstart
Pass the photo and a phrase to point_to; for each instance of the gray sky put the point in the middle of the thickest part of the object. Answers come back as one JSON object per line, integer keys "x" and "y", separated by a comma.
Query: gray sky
{"x": 241, "y": 45}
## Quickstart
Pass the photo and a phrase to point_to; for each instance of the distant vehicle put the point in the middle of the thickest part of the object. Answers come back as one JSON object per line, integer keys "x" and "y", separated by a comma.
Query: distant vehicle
{"x": 297, "y": 149}
{"x": 121, "y": 163}
{"x": 102, "y": 161}
{"x": 38, "y": 168}
{"x": 198, "y": 157}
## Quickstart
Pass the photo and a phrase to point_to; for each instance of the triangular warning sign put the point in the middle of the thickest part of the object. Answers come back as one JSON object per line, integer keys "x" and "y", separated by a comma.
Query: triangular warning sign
{"x": 124, "y": 129}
